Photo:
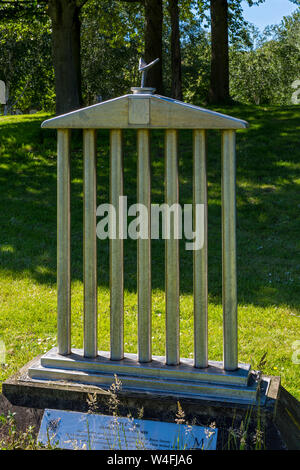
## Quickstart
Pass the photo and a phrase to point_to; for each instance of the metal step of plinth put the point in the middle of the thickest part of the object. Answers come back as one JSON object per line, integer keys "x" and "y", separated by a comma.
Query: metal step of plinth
{"x": 185, "y": 380}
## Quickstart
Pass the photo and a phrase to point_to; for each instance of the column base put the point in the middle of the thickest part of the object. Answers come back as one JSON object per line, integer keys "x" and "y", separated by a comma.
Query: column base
{"x": 156, "y": 377}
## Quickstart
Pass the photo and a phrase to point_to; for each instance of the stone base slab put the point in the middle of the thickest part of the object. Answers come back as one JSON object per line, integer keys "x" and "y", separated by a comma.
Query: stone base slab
{"x": 22, "y": 390}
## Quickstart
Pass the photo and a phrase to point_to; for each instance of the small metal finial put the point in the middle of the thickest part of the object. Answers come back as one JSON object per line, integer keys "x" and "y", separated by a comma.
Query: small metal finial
{"x": 142, "y": 90}
{"x": 143, "y": 67}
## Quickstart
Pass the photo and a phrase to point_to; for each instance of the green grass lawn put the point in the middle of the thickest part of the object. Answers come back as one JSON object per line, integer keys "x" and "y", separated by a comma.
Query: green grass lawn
{"x": 268, "y": 227}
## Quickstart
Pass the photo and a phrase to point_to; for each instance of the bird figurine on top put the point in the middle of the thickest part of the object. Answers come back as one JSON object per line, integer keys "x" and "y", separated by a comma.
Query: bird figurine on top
{"x": 143, "y": 67}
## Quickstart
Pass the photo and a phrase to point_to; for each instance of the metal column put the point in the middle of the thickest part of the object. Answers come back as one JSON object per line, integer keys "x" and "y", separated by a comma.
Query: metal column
{"x": 229, "y": 251}
{"x": 90, "y": 245}
{"x": 144, "y": 249}
{"x": 116, "y": 250}
{"x": 172, "y": 252}
{"x": 200, "y": 256}
{"x": 63, "y": 243}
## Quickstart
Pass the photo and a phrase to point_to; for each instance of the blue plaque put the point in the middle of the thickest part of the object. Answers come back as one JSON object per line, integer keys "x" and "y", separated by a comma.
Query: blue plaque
{"x": 73, "y": 430}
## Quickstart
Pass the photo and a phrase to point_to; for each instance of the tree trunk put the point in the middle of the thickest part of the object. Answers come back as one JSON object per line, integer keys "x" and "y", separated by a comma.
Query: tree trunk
{"x": 153, "y": 42}
{"x": 176, "y": 86}
{"x": 64, "y": 15}
{"x": 219, "y": 77}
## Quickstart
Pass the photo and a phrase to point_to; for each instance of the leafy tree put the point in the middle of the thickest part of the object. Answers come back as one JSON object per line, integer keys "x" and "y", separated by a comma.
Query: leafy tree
{"x": 153, "y": 42}
{"x": 113, "y": 36}
{"x": 153, "y": 17}
{"x": 66, "y": 24}
{"x": 219, "y": 81}
{"x": 25, "y": 62}
{"x": 226, "y": 21}
{"x": 112, "y": 41}
{"x": 196, "y": 50}
{"x": 176, "y": 88}
{"x": 263, "y": 72}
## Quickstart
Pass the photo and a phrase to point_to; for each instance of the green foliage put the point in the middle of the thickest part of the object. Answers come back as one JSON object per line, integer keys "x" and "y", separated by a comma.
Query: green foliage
{"x": 262, "y": 66}
{"x": 22, "y": 9}
{"x": 13, "y": 439}
{"x": 112, "y": 42}
{"x": 263, "y": 72}
{"x": 25, "y": 63}
{"x": 195, "y": 65}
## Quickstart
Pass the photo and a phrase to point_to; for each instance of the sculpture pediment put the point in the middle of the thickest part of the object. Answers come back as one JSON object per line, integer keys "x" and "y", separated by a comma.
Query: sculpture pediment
{"x": 144, "y": 111}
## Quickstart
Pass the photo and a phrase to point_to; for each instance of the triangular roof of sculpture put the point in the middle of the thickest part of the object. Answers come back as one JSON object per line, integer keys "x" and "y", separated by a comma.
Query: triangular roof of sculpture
{"x": 144, "y": 111}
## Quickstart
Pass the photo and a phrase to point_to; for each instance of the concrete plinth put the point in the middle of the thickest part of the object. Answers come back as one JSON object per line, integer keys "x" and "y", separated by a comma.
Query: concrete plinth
{"x": 22, "y": 390}
{"x": 184, "y": 380}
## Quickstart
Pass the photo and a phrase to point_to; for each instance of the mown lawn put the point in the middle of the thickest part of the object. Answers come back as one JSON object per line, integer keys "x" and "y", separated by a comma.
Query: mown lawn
{"x": 268, "y": 184}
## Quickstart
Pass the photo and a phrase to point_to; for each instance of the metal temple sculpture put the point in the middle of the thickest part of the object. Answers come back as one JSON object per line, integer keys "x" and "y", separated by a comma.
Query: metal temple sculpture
{"x": 144, "y": 111}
